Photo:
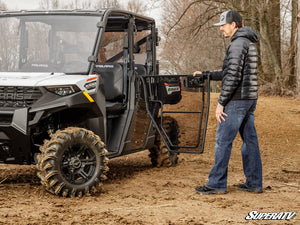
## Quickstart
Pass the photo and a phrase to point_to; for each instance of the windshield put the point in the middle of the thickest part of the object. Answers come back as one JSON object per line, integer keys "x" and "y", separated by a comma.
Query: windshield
{"x": 47, "y": 43}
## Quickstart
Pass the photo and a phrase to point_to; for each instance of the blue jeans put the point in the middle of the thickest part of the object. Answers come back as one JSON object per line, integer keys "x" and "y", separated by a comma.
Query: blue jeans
{"x": 240, "y": 119}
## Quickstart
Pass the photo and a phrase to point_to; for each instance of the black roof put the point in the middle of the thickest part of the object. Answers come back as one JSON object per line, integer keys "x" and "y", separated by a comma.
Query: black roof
{"x": 106, "y": 13}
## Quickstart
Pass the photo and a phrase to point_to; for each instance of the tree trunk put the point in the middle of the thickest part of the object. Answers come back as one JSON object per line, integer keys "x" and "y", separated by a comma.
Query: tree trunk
{"x": 298, "y": 47}
{"x": 270, "y": 47}
{"x": 275, "y": 28}
{"x": 251, "y": 12}
{"x": 291, "y": 79}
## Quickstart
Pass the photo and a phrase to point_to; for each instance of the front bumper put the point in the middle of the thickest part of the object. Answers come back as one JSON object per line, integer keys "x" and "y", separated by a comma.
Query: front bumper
{"x": 15, "y": 139}
{"x": 18, "y": 126}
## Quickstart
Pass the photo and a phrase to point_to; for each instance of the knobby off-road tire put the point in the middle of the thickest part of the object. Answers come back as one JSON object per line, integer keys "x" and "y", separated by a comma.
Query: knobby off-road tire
{"x": 159, "y": 154}
{"x": 73, "y": 162}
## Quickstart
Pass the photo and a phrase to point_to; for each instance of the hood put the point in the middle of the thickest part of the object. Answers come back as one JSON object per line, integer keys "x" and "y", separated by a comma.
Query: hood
{"x": 246, "y": 32}
{"x": 37, "y": 79}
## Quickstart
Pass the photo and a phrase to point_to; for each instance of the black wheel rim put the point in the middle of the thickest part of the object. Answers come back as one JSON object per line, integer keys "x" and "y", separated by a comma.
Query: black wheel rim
{"x": 78, "y": 164}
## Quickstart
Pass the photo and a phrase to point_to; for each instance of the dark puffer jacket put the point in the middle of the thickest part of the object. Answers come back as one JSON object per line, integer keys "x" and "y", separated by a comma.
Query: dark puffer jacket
{"x": 239, "y": 72}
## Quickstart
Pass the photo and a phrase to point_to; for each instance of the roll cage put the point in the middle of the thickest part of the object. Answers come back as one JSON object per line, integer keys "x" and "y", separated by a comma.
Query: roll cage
{"x": 109, "y": 20}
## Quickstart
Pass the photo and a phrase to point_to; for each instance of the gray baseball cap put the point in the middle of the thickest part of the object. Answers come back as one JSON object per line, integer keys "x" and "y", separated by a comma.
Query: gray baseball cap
{"x": 229, "y": 17}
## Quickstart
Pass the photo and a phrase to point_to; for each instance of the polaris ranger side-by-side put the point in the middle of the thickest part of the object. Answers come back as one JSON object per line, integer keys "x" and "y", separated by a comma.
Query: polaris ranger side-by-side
{"x": 78, "y": 87}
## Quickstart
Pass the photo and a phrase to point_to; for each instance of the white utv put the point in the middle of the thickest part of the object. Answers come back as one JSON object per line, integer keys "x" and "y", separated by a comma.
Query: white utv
{"x": 78, "y": 87}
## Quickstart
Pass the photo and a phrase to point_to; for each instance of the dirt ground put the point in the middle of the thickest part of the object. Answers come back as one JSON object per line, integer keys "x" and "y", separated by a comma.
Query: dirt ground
{"x": 137, "y": 193}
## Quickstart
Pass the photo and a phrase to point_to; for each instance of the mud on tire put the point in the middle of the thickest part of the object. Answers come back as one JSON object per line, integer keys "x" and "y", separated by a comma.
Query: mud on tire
{"x": 73, "y": 162}
{"x": 159, "y": 154}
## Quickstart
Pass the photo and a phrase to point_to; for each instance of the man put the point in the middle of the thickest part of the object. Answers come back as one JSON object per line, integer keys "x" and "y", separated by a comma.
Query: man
{"x": 236, "y": 106}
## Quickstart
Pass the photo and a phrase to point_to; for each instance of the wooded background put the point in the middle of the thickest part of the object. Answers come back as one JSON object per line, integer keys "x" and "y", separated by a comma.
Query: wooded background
{"x": 190, "y": 22}
{"x": 190, "y": 42}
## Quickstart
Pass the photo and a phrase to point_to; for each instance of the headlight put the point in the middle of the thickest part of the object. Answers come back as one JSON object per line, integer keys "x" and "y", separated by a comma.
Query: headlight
{"x": 91, "y": 85}
{"x": 63, "y": 90}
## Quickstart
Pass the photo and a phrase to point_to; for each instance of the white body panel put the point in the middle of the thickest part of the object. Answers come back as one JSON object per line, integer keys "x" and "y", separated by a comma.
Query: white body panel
{"x": 43, "y": 79}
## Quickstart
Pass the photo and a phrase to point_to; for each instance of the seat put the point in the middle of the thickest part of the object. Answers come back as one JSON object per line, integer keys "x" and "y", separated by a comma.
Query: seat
{"x": 113, "y": 79}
